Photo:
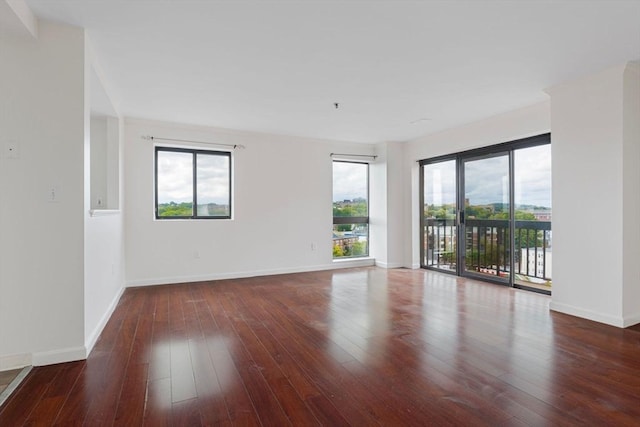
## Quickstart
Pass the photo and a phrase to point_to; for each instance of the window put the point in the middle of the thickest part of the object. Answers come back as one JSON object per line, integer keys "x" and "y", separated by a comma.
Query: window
{"x": 350, "y": 209}
{"x": 192, "y": 184}
{"x": 491, "y": 210}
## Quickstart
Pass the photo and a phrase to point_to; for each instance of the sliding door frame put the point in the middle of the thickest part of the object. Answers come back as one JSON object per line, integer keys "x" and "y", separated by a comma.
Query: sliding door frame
{"x": 462, "y": 222}
{"x": 435, "y": 160}
{"x": 489, "y": 151}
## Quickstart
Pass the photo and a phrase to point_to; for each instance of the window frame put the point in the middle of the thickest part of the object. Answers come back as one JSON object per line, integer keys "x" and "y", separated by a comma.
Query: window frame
{"x": 339, "y": 220}
{"x": 194, "y": 163}
{"x": 509, "y": 148}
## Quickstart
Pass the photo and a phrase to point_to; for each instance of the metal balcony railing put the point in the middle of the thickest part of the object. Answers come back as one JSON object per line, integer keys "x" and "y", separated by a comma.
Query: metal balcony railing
{"x": 440, "y": 241}
{"x": 487, "y": 248}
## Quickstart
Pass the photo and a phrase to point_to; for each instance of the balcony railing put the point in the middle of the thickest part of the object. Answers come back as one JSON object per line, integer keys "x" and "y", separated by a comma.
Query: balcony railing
{"x": 440, "y": 243}
{"x": 487, "y": 248}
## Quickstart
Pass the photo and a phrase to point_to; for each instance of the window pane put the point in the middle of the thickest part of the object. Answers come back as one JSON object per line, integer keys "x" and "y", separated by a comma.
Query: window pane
{"x": 213, "y": 185}
{"x": 533, "y": 238}
{"x": 350, "y": 189}
{"x": 533, "y": 181}
{"x": 350, "y": 240}
{"x": 350, "y": 200}
{"x": 440, "y": 190}
{"x": 487, "y": 184}
{"x": 175, "y": 184}
{"x": 486, "y": 187}
{"x": 440, "y": 227}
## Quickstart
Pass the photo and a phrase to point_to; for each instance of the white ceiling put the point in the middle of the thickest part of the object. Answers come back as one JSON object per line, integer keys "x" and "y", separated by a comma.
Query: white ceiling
{"x": 279, "y": 66}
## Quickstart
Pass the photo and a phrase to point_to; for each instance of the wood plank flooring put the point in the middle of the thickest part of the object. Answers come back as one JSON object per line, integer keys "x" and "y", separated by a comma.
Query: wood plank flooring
{"x": 356, "y": 347}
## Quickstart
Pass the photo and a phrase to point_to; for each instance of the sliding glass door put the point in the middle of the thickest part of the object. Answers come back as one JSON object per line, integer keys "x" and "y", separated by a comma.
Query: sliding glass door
{"x": 486, "y": 217}
{"x": 486, "y": 213}
{"x": 532, "y": 205}
{"x": 439, "y": 219}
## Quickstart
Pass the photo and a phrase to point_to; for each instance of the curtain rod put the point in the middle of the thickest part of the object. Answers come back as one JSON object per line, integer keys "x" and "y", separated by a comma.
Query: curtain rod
{"x": 355, "y": 155}
{"x": 156, "y": 138}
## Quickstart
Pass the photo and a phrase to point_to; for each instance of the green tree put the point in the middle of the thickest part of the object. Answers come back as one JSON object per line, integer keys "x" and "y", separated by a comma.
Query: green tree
{"x": 175, "y": 209}
{"x": 359, "y": 249}
{"x": 344, "y": 227}
{"x": 353, "y": 208}
{"x": 520, "y": 216}
{"x": 446, "y": 211}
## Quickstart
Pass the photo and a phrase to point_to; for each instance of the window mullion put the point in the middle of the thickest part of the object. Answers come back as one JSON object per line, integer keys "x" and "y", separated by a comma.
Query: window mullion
{"x": 351, "y": 220}
{"x": 194, "y": 208}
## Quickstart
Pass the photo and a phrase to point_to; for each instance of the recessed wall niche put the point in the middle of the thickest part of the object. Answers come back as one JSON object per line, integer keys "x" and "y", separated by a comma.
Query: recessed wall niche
{"x": 104, "y": 149}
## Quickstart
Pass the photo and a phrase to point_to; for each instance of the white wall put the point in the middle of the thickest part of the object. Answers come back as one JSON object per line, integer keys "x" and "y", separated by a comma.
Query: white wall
{"x": 282, "y": 203}
{"x": 396, "y": 204}
{"x": 41, "y": 249}
{"x": 104, "y": 272}
{"x": 517, "y": 124}
{"x": 631, "y": 195}
{"x": 98, "y": 164}
{"x": 115, "y": 136}
{"x": 105, "y": 158}
{"x": 378, "y": 192}
{"x": 104, "y": 227}
{"x": 61, "y": 270}
{"x": 388, "y": 205}
{"x": 596, "y": 196}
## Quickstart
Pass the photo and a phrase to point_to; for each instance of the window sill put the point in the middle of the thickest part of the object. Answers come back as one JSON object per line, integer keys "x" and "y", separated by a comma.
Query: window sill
{"x": 103, "y": 212}
{"x": 178, "y": 220}
{"x": 354, "y": 262}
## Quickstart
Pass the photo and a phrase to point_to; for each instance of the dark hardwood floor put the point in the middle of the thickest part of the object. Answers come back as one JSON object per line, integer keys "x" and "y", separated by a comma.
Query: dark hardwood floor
{"x": 348, "y": 347}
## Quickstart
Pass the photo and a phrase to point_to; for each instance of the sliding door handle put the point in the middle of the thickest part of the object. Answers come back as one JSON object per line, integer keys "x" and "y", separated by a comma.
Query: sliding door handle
{"x": 460, "y": 217}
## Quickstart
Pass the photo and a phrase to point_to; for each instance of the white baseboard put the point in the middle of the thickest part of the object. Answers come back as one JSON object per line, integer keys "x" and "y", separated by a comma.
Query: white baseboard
{"x": 587, "y": 314}
{"x": 51, "y": 357}
{"x": 90, "y": 342}
{"x": 343, "y": 263}
{"x": 631, "y": 320}
{"x": 347, "y": 263}
{"x": 388, "y": 264}
{"x": 59, "y": 356}
{"x": 14, "y": 361}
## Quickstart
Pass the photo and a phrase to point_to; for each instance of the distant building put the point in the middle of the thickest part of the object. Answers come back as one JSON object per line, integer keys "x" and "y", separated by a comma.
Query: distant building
{"x": 536, "y": 262}
{"x": 344, "y": 241}
{"x": 542, "y": 214}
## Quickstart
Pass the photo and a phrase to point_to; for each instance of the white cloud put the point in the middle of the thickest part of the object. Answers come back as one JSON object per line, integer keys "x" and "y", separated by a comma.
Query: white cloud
{"x": 349, "y": 181}
{"x": 440, "y": 183}
{"x": 533, "y": 176}
{"x": 485, "y": 179}
{"x": 175, "y": 178}
{"x": 213, "y": 180}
